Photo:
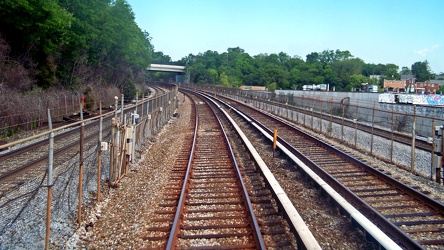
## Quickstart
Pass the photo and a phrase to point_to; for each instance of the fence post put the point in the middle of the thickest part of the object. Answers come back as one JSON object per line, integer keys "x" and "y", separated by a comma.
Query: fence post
{"x": 432, "y": 149}
{"x": 305, "y": 111}
{"x": 440, "y": 163}
{"x": 113, "y": 148}
{"x": 141, "y": 112}
{"x": 320, "y": 120}
{"x": 121, "y": 109}
{"x": 312, "y": 113}
{"x": 342, "y": 122}
{"x": 82, "y": 141}
{"x": 99, "y": 157}
{"x": 356, "y": 124}
{"x": 412, "y": 161}
{"x": 49, "y": 181}
{"x": 66, "y": 105}
{"x": 393, "y": 124}
{"x": 373, "y": 127}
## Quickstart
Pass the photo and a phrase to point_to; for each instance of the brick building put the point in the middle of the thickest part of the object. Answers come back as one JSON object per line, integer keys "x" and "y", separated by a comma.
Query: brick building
{"x": 427, "y": 87}
{"x": 398, "y": 86}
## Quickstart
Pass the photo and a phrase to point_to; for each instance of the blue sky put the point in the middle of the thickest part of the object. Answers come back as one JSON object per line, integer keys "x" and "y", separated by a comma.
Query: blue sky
{"x": 379, "y": 31}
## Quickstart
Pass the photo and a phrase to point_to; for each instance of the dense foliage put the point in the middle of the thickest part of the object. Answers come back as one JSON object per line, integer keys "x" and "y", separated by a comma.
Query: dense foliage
{"x": 340, "y": 69}
{"x": 72, "y": 42}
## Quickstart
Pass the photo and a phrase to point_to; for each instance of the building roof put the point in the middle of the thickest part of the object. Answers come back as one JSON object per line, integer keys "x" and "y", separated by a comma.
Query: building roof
{"x": 407, "y": 77}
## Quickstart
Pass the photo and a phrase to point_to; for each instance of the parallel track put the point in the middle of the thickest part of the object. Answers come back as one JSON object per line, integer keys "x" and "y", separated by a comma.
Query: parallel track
{"x": 30, "y": 161}
{"x": 412, "y": 219}
{"x": 402, "y": 138}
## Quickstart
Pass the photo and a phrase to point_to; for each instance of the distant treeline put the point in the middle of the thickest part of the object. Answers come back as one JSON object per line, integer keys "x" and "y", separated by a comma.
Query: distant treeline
{"x": 339, "y": 69}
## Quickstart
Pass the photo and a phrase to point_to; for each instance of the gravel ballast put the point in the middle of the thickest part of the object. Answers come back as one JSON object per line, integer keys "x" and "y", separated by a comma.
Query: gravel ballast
{"x": 121, "y": 219}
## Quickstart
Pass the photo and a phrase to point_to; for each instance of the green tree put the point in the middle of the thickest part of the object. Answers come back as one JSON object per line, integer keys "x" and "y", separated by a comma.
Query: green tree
{"x": 344, "y": 69}
{"x": 224, "y": 79}
{"x": 356, "y": 80}
{"x": 405, "y": 71}
{"x": 71, "y": 42}
{"x": 38, "y": 28}
{"x": 272, "y": 87}
{"x": 211, "y": 76}
{"x": 391, "y": 72}
{"x": 421, "y": 70}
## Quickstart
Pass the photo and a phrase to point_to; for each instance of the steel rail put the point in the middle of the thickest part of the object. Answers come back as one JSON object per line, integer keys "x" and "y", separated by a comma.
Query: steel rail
{"x": 45, "y": 133}
{"x": 177, "y": 218}
{"x": 393, "y": 230}
{"x": 381, "y": 132}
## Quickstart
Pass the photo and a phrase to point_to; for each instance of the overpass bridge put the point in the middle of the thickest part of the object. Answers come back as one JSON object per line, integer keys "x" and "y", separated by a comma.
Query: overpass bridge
{"x": 166, "y": 68}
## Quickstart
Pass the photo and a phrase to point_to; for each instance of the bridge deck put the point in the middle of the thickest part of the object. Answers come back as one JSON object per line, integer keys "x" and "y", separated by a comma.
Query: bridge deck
{"x": 166, "y": 68}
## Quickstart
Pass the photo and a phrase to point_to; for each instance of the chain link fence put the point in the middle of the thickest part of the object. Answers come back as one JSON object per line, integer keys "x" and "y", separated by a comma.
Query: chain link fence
{"x": 341, "y": 119}
{"x": 25, "y": 197}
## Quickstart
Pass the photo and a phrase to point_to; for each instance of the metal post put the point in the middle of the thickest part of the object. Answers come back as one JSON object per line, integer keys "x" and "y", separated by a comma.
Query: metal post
{"x": 330, "y": 125}
{"x": 432, "y": 150}
{"x": 82, "y": 141}
{"x": 393, "y": 124}
{"x": 121, "y": 110}
{"x": 141, "y": 112}
{"x": 412, "y": 164}
{"x": 115, "y": 106}
{"x": 342, "y": 122}
{"x": 356, "y": 124}
{"x": 305, "y": 110}
{"x": 320, "y": 119}
{"x": 137, "y": 100}
{"x": 49, "y": 181}
{"x": 66, "y": 105}
{"x": 373, "y": 126}
{"x": 112, "y": 152}
{"x": 312, "y": 113}
{"x": 99, "y": 157}
{"x": 439, "y": 168}
{"x": 40, "y": 108}
{"x": 133, "y": 136}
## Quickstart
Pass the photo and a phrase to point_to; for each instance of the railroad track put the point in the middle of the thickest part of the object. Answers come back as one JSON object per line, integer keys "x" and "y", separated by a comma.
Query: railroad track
{"x": 30, "y": 161}
{"x": 402, "y": 138}
{"x": 209, "y": 205}
{"x": 25, "y": 164}
{"x": 409, "y": 217}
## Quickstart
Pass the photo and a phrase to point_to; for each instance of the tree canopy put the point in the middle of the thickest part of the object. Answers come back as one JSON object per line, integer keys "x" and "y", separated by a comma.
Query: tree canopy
{"x": 45, "y": 43}
{"x": 339, "y": 69}
{"x": 66, "y": 42}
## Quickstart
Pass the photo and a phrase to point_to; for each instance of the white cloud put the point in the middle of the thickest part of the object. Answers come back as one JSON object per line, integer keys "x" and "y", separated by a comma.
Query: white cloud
{"x": 424, "y": 52}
